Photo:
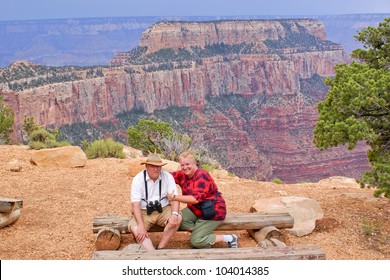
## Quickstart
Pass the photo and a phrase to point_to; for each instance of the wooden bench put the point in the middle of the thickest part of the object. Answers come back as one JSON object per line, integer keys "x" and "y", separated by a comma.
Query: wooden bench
{"x": 108, "y": 228}
{"x": 234, "y": 221}
{"x": 306, "y": 252}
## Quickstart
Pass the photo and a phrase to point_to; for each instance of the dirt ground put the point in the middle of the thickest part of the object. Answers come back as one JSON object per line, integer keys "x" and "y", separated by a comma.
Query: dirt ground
{"x": 59, "y": 205}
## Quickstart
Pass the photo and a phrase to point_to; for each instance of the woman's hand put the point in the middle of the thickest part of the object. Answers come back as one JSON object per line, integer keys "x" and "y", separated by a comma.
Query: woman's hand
{"x": 171, "y": 196}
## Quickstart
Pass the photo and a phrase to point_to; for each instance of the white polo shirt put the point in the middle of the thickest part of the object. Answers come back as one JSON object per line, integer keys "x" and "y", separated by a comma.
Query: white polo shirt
{"x": 138, "y": 194}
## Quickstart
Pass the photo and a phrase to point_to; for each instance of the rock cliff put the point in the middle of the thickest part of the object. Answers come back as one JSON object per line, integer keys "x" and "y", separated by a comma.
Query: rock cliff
{"x": 93, "y": 41}
{"x": 191, "y": 34}
{"x": 252, "y": 87}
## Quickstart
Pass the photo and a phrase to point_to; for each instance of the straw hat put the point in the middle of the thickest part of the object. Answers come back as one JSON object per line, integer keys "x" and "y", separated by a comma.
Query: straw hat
{"x": 154, "y": 159}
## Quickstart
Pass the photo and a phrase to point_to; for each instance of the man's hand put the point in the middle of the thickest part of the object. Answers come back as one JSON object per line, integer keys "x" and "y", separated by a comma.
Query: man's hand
{"x": 141, "y": 234}
{"x": 173, "y": 221}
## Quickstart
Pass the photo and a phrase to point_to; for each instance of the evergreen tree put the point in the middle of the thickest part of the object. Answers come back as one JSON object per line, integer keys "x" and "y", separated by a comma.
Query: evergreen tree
{"x": 6, "y": 122}
{"x": 158, "y": 136}
{"x": 357, "y": 106}
{"x": 147, "y": 135}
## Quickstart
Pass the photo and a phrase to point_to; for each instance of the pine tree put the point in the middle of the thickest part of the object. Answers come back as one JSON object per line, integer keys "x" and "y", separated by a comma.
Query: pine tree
{"x": 6, "y": 122}
{"x": 357, "y": 106}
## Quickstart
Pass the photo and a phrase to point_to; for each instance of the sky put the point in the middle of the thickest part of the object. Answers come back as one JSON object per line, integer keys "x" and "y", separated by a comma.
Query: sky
{"x": 53, "y": 9}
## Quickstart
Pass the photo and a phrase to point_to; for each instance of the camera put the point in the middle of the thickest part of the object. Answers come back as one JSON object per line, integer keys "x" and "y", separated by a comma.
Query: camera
{"x": 153, "y": 206}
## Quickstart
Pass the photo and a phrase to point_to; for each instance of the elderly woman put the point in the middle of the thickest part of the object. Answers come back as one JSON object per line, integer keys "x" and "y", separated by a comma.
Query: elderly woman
{"x": 197, "y": 186}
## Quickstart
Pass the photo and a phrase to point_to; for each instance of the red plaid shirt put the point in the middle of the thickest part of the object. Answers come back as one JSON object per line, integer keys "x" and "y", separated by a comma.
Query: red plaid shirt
{"x": 202, "y": 187}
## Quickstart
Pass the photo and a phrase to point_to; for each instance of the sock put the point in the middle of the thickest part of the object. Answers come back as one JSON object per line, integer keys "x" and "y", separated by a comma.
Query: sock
{"x": 227, "y": 238}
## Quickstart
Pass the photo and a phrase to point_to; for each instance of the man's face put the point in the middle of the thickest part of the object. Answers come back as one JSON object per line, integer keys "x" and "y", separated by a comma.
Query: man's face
{"x": 153, "y": 171}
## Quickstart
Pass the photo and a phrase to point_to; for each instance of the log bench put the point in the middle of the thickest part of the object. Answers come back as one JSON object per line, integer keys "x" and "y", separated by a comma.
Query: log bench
{"x": 108, "y": 228}
{"x": 303, "y": 252}
{"x": 234, "y": 221}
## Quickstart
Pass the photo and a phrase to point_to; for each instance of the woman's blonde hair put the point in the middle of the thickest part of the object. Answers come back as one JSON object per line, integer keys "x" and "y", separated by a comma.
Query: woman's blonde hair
{"x": 188, "y": 154}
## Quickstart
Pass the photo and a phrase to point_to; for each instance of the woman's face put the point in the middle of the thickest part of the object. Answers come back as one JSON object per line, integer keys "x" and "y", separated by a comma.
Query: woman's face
{"x": 188, "y": 166}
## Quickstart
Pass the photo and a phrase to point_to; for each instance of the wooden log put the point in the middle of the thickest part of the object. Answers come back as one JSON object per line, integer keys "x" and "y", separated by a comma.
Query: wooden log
{"x": 277, "y": 242}
{"x": 264, "y": 233}
{"x": 117, "y": 222}
{"x": 234, "y": 221}
{"x": 134, "y": 247}
{"x": 7, "y": 219}
{"x": 7, "y": 205}
{"x": 265, "y": 243}
{"x": 108, "y": 239}
{"x": 307, "y": 252}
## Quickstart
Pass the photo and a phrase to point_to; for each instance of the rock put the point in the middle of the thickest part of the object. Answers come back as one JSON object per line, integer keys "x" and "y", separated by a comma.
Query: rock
{"x": 189, "y": 34}
{"x": 305, "y": 211}
{"x": 340, "y": 182}
{"x": 219, "y": 173}
{"x": 171, "y": 166}
{"x": 68, "y": 156}
{"x": 135, "y": 167}
{"x": 280, "y": 192}
{"x": 14, "y": 165}
{"x": 131, "y": 152}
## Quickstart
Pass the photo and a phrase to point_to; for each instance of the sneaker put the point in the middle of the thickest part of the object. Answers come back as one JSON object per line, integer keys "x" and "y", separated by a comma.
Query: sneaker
{"x": 234, "y": 242}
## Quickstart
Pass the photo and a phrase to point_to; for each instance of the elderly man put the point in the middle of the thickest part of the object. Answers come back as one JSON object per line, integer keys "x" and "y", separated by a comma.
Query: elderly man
{"x": 150, "y": 205}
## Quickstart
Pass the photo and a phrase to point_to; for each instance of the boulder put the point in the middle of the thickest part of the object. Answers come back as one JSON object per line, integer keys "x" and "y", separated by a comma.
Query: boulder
{"x": 135, "y": 166}
{"x": 171, "y": 166}
{"x": 131, "y": 152}
{"x": 305, "y": 211}
{"x": 219, "y": 173}
{"x": 14, "y": 165}
{"x": 68, "y": 156}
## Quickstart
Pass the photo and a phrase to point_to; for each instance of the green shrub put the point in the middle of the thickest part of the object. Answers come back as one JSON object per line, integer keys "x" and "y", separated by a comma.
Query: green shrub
{"x": 41, "y": 135}
{"x": 97, "y": 149}
{"x": 277, "y": 181}
{"x": 104, "y": 149}
{"x": 206, "y": 167}
{"x": 84, "y": 145}
{"x": 43, "y": 139}
{"x": 56, "y": 144}
{"x": 371, "y": 228}
{"x": 115, "y": 149}
{"x": 36, "y": 145}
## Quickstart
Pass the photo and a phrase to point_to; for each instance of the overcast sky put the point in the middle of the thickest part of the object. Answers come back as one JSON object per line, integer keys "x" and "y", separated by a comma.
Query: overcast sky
{"x": 50, "y": 9}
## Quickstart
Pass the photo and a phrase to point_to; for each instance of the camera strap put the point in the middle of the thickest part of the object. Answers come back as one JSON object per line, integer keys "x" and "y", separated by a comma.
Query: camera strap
{"x": 146, "y": 187}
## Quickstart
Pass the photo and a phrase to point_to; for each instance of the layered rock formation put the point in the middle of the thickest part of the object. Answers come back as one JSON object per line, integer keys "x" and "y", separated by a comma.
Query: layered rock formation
{"x": 190, "y": 34}
{"x": 92, "y": 41}
{"x": 273, "y": 69}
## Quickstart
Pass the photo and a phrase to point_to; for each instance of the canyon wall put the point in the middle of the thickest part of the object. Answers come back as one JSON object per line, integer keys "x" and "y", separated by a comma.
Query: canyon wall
{"x": 188, "y": 34}
{"x": 279, "y": 81}
{"x": 93, "y": 41}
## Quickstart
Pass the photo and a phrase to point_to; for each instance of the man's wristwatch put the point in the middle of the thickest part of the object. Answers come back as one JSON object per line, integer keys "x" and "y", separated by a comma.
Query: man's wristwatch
{"x": 175, "y": 213}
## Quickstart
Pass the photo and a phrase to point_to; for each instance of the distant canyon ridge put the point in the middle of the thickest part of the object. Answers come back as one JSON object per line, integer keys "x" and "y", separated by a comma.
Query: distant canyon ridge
{"x": 246, "y": 89}
{"x": 93, "y": 41}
